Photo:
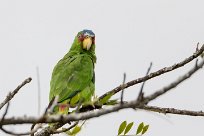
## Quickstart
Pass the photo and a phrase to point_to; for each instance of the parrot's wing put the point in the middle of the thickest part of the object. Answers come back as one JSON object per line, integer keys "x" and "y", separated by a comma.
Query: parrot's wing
{"x": 70, "y": 76}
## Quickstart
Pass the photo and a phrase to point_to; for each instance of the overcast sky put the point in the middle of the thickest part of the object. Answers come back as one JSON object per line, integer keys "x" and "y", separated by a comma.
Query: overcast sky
{"x": 129, "y": 35}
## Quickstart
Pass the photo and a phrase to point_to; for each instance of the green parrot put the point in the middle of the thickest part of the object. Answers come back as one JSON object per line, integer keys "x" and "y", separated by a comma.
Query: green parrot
{"x": 73, "y": 78}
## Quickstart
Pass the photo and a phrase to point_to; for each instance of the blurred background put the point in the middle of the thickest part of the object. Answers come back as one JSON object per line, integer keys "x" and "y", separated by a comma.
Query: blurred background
{"x": 129, "y": 35}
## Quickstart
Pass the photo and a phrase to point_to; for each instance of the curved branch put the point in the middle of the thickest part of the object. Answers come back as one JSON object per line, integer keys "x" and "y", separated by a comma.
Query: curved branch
{"x": 21, "y": 134}
{"x": 175, "y": 83}
{"x": 11, "y": 94}
{"x": 155, "y": 74}
{"x": 172, "y": 111}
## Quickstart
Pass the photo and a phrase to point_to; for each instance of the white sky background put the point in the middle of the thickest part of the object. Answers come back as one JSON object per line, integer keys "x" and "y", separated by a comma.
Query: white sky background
{"x": 129, "y": 35}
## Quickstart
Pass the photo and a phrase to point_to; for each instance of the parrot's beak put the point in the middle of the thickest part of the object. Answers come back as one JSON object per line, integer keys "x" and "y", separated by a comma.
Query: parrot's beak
{"x": 87, "y": 42}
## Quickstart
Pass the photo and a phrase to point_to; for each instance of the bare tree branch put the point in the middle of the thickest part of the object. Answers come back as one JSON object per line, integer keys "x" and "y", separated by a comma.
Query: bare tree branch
{"x": 4, "y": 115}
{"x": 21, "y": 134}
{"x": 155, "y": 74}
{"x": 47, "y": 131}
{"x": 66, "y": 129}
{"x": 172, "y": 111}
{"x": 11, "y": 94}
{"x": 92, "y": 114}
{"x": 122, "y": 93}
{"x": 14, "y": 133}
{"x": 141, "y": 94}
{"x": 175, "y": 83}
{"x": 51, "y": 105}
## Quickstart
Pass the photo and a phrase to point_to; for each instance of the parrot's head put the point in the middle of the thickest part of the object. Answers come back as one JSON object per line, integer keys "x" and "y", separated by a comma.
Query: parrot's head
{"x": 86, "y": 38}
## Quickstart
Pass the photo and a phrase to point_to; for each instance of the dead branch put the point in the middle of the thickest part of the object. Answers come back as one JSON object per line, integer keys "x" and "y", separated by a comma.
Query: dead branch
{"x": 172, "y": 111}
{"x": 12, "y": 94}
{"x": 155, "y": 74}
{"x": 175, "y": 83}
{"x": 141, "y": 94}
{"x": 122, "y": 93}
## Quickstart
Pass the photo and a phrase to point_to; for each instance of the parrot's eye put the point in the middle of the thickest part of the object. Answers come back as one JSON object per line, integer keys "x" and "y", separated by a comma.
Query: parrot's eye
{"x": 79, "y": 36}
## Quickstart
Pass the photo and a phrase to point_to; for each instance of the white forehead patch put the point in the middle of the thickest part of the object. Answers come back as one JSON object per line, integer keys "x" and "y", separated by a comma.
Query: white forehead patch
{"x": 88, "y": 34}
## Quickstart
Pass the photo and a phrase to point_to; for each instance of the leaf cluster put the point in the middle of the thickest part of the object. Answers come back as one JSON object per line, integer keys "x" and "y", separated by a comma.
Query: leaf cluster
{"x": 125, "y": 128}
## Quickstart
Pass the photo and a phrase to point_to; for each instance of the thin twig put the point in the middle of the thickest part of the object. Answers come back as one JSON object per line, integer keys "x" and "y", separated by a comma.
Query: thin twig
{"x": 122, "y": 93}
{"x": 12, "y": 94}
{"x": 172, "y": 111}
{"x": 197, "y": 46}
{"x": 11, "y": 132}
{"x": 53, "y": 103}
{"x": 175, "y": 83}
{"x": 140, "y": 96}
{"x": 21, "y": 134}
{"x": 4, "y": 115}
{"x": 66, "y": 129}
{"x": 155, "y": 74}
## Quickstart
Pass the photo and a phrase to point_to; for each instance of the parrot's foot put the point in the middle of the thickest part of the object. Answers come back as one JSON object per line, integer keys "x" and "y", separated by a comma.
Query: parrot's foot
{"x": 86, "y": 108}
{"x": 89, "y": 107}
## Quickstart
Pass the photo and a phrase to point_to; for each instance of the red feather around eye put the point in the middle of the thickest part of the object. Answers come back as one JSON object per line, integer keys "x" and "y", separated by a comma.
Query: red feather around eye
{"x": 80, "y": 37}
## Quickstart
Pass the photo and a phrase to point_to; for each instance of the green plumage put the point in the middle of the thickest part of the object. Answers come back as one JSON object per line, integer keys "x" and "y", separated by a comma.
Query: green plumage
{"x": 74, "y": 75}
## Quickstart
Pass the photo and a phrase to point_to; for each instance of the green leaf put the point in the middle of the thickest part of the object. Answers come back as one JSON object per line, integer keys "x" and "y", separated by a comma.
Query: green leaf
{"x": 75, "y": 130}
{"x": 122, "y": 127}
{"x": 129, "y": 126}
{"x": 145, "y": 128}
{"x": 68, "y": 133}
{"x": 140, "y": 128}
{"x": 106, "y": 98}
